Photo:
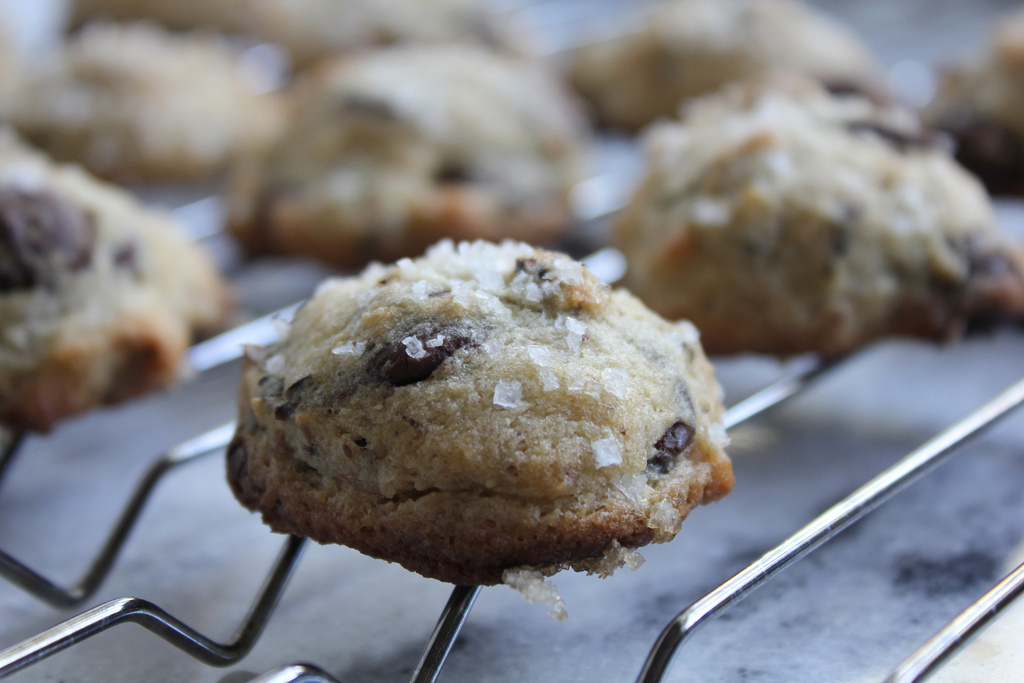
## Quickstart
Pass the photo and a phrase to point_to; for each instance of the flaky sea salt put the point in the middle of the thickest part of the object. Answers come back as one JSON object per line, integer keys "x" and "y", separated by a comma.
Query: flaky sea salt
{"x": 664, "y": 517}
{"x": 578, "y": 384}
{"x": 541, "y": 355}
{"x": 462, "y": 293}
{"x": 569, "y": 272}
{"x": 548, "y": 379}
{"x": 406, "y": 265}
{"x": 419, "y": 289}
{"x": 492, "y": 347}
{"x": 594, "y": 389}
{"x": 281, "y": 327}
{"x": 435, "y": 342}
{"x": 531, "y": 585}
{"x": 349, "y": 349}
{"x": 414, "y": 347}
{"x": 710, "y": 212}
{"x": 606, "y": 453}
{"x": 508, "y": 393}
{"x": 574, "y": 333}
{"x": 688, "y": 331}
{"x": 275, "y": 364}
{"x": 616, "y": 381}
{"x": 718, "y": 435}
{"x": 489, "y": 280}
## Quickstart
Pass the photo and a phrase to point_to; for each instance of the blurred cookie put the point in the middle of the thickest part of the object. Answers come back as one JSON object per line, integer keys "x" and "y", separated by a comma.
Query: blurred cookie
{"x": 99, "y": 297}
{"x": 982, "y": 106}
{"x": 780, "y": 219}
{"x": 135, "y": 103}
{"x": 389, "y": 151}
{"x": 480, "y": 409}
{"x": 687, "y": 48}
{"x": 311, "y": 29}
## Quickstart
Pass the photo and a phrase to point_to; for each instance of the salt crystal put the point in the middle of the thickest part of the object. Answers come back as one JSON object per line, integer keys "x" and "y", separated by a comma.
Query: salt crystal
{"x": 490, "y": 280}
{"x": 492, "y": 347}
{"x": 578, "y": 384}
{"x": 548, "y": 379}
{"x": 462, "y": 293}
{"x": 688, "y": 331}
{"x": 531, "y": 585}
{"x": 710, "y": 212}
{"x": 718, "y": 435}
{"x": 435, "y": 342}
{"x": 617, "y": 382}
{"x": 508, "y": 394}
{"x": 281, "y": 327}
{"x": 560, "y": 321}
{"x": 406, "y": 265}
{"x": 632, "y": 486}
{"x": 594, "y": 389}
{"x": 414, "y": 347}
{"x": 419, "y": 289}
{"x": 519, "y": 283}
{"x": 665, "y": 517}
{"x": 533, "y": 292}
{"x": 575, "y": 331}
{"x": 569, "y": 272}
{"x": 541, "y": 355}
{"x": 275, "y": 364}
{"x": 366, "y": 297}
{"x": 349, "y": 349}
{"x": 606, "y": 453}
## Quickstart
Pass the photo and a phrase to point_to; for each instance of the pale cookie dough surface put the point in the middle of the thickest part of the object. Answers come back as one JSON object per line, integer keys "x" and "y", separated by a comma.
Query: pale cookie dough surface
{"x": 686, "y": 48}
{"x": 136, "y": 103}
{"x": 99, "y": 297}
{"x": 982, "y": 105}
{"x": 480, "y": 409}
{"x": 781, "y": 219}
{"x": 311, "y": 29}
{"x": 391, "y": 150}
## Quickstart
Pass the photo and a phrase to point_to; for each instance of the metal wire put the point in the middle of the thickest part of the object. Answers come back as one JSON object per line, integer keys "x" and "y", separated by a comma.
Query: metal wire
{"x": 158, "y": 621}
{"x": 822, "y": 528}
{"x": 41, "y": 587}
{"x": 951, "y": 639}
{"x": 461, "y": 602}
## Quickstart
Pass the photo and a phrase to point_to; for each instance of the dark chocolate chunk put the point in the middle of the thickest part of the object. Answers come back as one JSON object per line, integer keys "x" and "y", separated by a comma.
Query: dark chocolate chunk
{"x": 285, "y": 410}
{"x": 990, "y": 150}
{"x": 669, "y": 447}
{"x": 902, "y": 140}
{"x": 41, "y": 233}
{"x": 363, "y": 105}
{"x": 126, "y": 257}
{"x": 394, "y": 364}
{"x": 453, "y": 173}
{"x": 238, "y": 460}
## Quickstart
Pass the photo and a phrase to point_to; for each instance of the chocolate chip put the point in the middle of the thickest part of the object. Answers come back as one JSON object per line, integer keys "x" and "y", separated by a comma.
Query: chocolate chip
{"x": 297, "y": 386}
{"x": 271, "y": 387}
{"x": 902, "y": 140}
{"x": 238, "y": 460}
{"x": 126, "y": 257}
{"x": 363, "y": 105}
{"x": 394, "y": 364}
{"x": 40, "y": 234}
{"x": 989, "y": 149}
{"x": 452, "y": 173}
{"x": 669, "y": 447}
{"x": 285, "y": 410}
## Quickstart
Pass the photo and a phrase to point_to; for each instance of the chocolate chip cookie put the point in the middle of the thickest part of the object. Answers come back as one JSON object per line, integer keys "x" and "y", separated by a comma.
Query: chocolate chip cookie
{"x": 982, "y": 105}
{"x": 476, "y": 410}
{"x": 99, "y": 296}
{"x": 781, "y": 219}
{"x": 686, "y": 48}
{"x": 135, "y": 103}
{"x": 393, "y": 149}
{"x": 313, "y": 29}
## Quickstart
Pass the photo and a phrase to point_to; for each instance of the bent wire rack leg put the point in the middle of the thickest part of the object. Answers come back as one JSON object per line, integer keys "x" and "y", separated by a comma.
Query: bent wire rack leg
{"x": 461, "y": 601}
{"x": 951, "y": 639}
{"x": 824, "y": 527}
{"x": 158, "y": 621}
{"x": 41, "y": 587}
{"x": 296, "y": 673}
